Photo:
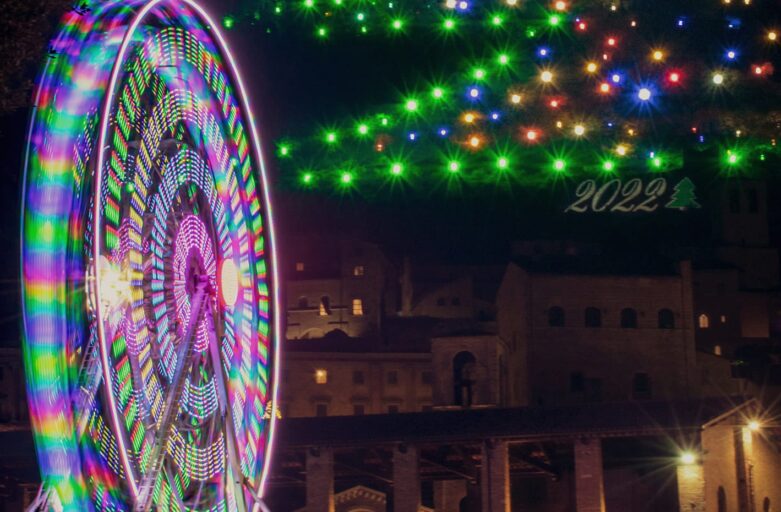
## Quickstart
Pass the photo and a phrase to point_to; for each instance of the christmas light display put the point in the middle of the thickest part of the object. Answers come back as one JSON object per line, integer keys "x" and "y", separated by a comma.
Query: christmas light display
{"x": 149, "y": 287}
{"x": 556, "y": 88}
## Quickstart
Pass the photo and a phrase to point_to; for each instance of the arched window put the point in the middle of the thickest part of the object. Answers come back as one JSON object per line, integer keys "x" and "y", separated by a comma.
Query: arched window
{"x": 556, "y": 317}
{"x": 628, "y": 318}
{"x": 703, "y": 321}
{"x": 721, "y": 499}
{"x": 463, "y": 378}
{"x": 593, "y": 317}
{"x": 666, "y": 319}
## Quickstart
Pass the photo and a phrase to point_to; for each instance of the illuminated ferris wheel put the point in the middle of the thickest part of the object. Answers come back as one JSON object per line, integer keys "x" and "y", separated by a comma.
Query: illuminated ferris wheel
{"x": 149, "y": 293}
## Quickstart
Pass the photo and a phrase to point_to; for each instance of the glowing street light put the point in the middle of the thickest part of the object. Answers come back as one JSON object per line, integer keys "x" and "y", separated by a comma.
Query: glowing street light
{"x": 688, "y": 458}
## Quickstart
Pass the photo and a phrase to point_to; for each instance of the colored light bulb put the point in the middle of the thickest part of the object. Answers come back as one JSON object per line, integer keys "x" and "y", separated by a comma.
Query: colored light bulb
{"x": 453, "y": 166}
{"x": 411, "y": 105}
{"x": 608, "y": 165}
{"x": 559, "y": 164}
{"x": 592, "y": 67}
{"x": 438, "y": 93}
{"x": 546, "y": 76}
{"x": 397, "y": 169}
{"x": 502, "y": 163}
{"x": 503, "y": 59}
{"x": 718, "y": 79}
{"x": 644, "y": 94}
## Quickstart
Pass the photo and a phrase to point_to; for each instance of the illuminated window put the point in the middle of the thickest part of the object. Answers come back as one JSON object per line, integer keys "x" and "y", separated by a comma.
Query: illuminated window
{"x": 358, "y": 270}
{"x": 703, "y": 321}
{"x": 628, "y": 318}
{"x": 593, "y": 317}
{"x": 325, "y": 305}
{"x": 666, "y": 319}
{"x": 299, "y": 266}
{"x": 717, "y": 350}
{"x": 724, "y": 319}
{"x": 321, "y": 410}
{"x": 358, "y": 307}
{"x": 321, "y": 376}
{"x": 556, "y": 317}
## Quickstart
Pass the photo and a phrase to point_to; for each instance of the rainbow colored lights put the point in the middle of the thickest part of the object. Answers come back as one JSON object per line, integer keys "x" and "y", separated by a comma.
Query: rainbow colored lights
{"x": 543, "y": 78}
{"x": 144, "y": 178}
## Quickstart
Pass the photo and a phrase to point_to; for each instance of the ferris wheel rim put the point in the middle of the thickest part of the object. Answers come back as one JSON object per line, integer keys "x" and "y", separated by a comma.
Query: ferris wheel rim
{"x": 110, "y": 95}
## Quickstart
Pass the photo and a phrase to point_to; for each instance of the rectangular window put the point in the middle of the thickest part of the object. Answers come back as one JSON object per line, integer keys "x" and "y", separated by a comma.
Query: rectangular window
{"x": 393, "y": 377}
{"x": 299, "y": 266}
{"x": 734, "y": 201}
{"x": 393, "y": 409}
{"x": 358, "y": 377}
{"x": 325, "y": 305}
{"x": 358, "y": 307}
{"x": 753, "y": 201}
{"x": 359, "y": 410}
{"x": 358, "y": 270}
{"x": 427, "y": 378}
{"x": 576, "y": 382}
{"x": 321, "y": 376}
{"x": 321, "y": 410}
{"x": 641, "y": 386}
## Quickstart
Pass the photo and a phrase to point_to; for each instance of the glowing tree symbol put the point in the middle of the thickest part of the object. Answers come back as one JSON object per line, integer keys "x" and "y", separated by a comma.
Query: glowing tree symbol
{"x": 149, "y": 286}
{"x": 683, "y": 196}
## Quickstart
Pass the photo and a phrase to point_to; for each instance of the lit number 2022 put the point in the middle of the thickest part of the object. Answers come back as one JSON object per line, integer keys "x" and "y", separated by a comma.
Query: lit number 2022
{"x": 616, "y": 196}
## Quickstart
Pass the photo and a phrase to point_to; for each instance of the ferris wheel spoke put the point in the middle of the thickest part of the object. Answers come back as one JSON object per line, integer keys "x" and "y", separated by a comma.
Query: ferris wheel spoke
{"x": 226, "y": 412}
{"x": 185, "y": 357}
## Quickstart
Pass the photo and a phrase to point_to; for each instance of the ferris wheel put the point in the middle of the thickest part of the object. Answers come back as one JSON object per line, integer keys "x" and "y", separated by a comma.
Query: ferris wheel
{"x": 149, "y": 288}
